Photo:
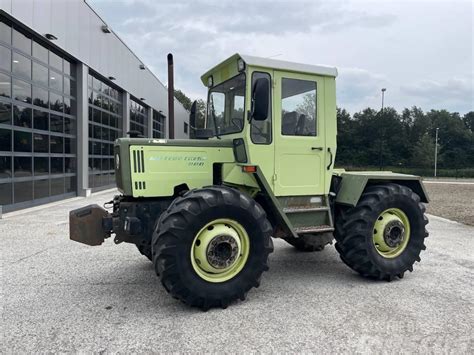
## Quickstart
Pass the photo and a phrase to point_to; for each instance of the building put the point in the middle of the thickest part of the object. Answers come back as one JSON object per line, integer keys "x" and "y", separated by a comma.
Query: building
{"x": 69, "y": 87}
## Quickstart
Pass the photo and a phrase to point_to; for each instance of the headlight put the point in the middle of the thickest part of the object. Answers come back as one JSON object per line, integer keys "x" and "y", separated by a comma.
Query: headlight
{"x": 240, "y": 65}
{"x": 210, "y": 81}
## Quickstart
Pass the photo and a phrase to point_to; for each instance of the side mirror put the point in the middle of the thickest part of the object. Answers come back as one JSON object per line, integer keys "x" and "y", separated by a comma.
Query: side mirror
{"x": 194, "y": 132}
{"x": 260, "y": 99}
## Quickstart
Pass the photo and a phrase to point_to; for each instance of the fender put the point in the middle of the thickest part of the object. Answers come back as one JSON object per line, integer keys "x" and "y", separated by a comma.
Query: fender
{"x": 352, "y": 184}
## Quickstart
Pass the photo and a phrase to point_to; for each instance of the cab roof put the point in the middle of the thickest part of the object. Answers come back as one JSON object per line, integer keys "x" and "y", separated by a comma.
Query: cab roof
{"x": 274, "y": 64}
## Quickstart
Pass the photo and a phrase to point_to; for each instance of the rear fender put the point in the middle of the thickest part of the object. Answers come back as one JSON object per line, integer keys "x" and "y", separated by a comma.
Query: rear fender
{"x": 353, "y": 184}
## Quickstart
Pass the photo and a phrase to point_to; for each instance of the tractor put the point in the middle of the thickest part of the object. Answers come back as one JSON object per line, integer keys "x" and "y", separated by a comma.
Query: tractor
{"x": 260, "y": 165}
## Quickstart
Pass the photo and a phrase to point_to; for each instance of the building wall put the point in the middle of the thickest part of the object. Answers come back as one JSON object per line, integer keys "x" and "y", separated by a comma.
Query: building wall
{"x": 78, "y": 30}
{"x": 93, "y": 108}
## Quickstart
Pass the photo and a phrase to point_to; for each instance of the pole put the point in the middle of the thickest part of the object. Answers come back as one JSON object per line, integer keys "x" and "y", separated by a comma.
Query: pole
{"x": 436, "y": 153}
{"x": 170, "y": 96}
{"x": 381, "y": 133}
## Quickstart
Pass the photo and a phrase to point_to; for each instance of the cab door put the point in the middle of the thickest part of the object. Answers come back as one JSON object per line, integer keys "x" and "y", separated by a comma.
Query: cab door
{"x": 299, "y": 135}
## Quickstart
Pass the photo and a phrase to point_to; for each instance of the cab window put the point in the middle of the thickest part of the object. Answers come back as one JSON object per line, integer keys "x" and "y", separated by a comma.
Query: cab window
{"x": 298, "y": 107}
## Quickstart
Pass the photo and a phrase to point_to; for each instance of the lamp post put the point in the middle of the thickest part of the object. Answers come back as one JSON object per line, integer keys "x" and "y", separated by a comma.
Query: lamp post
{"x": 436, "y": 152}
{"x": 381, "y": 133}
{"x": 383, "y": 94}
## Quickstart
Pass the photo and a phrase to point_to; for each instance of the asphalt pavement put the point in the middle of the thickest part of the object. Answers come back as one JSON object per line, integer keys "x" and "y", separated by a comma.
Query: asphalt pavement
{"x": 62, "y": 296}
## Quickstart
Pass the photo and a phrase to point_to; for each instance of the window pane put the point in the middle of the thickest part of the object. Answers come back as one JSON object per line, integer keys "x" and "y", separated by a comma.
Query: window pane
{"x": 67, "y": 67}
{"x": 21, "y": 91}
{"x": 55, "y": 61}
{"x": 22, "y": 116}
{"x": 23, "y": 191}
{"x": 5, "y": 58}
{"x": 41, "y": 188}
{"x": 40, "y": 120}
{"x": 56, "y": 102}
{"x": 40, "y": 97}
{"x": 5, "y": 168}
{"x": 67, "y": 86}
{"x": 70, "y": 165}
{"x": 57, "y": 186}
{"x": 96, "y": 116}
{"x": 5, "y": 34}
{"x": 40, "y": 74}
{"x": 22, "y": 141}
{"x": 21, "y": 66}
{"x": 55, "y": 81}
{"x": 69, "y": 125}
{"x": 41, "y": 143}
{"x": 5, "y": 85}
{"x": 56, "y": 144}
{"x": 21, "y": 42}
{"x": 67, "y": 105}
{"x": 5, "y": 194}
{"x": 5, "y": 113}
{"x": 69, "y": 145}
{"x": 5, "y": 140}
{"x": 22, "y": 166}
{"x": 71, "y": 184}
{"x": 298, "y": 107}
{"x": 57, "y": 165}
{"x": 56, "y": 123}
{"x": 40, "y": 52}
{"x": 41, "y": 166}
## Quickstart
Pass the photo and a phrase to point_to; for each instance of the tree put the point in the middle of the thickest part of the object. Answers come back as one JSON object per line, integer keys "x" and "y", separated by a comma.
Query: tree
{"x": 423, "y": 153}
{"x": 183, "y": 99}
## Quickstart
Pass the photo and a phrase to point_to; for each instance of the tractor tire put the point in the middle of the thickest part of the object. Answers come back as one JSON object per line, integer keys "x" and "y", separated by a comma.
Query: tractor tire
{"x": 383, "y": 235}
{"x": 211, "y": 246}
{"x": 145, "y": 251}
{"x": 310, "y": 242}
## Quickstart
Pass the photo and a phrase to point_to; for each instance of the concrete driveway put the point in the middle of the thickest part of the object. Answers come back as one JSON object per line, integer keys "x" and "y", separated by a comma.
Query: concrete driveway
{"x": 61, "y": 296}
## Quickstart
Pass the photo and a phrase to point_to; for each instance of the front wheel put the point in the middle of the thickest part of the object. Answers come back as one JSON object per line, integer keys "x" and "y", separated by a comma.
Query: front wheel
{"x": 211, "y": 246}
{"x": 383, "y": 235}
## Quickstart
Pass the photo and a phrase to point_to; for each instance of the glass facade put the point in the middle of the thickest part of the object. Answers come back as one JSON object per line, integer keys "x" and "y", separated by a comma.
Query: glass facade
{"x": 159, "y": 128}
{"x": 37, "y": 122}
{"x": 138, "y": 118}
{"x": 105, "y": 126}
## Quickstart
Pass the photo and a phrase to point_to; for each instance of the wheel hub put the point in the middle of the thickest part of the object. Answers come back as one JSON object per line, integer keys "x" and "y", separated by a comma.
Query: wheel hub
{"x": 394, "y": 233}
{"x": 222, "y": 251}
{"x": 391, "y": 233}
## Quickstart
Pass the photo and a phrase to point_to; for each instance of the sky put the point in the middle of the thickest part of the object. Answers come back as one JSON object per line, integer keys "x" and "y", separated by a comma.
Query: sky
{"x": 421, "y": 51}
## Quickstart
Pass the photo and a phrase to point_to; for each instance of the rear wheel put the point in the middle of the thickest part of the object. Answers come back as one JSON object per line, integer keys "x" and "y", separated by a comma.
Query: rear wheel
{"x": 211, "y": 246}
{"x": 383, "y": 235}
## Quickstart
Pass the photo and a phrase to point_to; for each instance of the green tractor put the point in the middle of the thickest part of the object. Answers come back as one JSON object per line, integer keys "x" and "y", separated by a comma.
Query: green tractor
{"x": 205, "y": 210}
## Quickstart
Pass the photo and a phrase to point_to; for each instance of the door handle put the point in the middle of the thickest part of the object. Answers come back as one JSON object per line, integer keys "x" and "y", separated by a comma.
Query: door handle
{"x": 317, "y": 148}
{"x": 330, "y": 162}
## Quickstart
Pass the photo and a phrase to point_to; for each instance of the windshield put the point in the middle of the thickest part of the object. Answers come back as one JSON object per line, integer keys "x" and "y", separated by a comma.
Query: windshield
{"x": 226, "y": 106}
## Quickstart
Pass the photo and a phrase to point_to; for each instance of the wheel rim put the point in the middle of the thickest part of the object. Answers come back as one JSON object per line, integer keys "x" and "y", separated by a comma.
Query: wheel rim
{"x": 220, "y": 250}
{"x": 391, "y": 233}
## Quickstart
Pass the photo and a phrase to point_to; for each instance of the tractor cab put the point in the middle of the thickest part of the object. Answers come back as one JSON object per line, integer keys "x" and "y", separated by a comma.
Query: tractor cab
{"x": 285, "y": 114}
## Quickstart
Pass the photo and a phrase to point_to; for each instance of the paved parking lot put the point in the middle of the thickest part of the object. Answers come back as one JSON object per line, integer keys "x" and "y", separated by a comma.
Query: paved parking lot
{"x": 61, "y": 296}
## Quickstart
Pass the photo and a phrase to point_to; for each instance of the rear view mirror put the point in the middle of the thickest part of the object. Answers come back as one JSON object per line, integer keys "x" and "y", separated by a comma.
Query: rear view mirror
{"x": 260, "y": 99}
{"x": 194, "y": 132}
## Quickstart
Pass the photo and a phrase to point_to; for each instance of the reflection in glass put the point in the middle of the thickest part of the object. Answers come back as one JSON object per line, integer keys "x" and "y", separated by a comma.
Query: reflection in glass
{"x": 21, "y": 42}
{"x": 56, "y": 144}
{"x": 40, "y": 53}
{"x": 40, "y": 120}
{"x": 40, "y": 97}
{"x": 5, "y": 58}
{"x": 57, "y": 186}
{"x": 41, "y": 143}
{"x": 5, "y": 85}
{"x": 21, "y": 91}
{"x": 41, "y": 188}
{"x": 21, "y": 66}
{"x": 22, "y": 141}
{"x": 5, "y": 140}
{"x": 5, "y": 167}
{"x": 41, "y": 166}
{"x": 40, "y": 74}
{"x": 6, "y": 193}
{"x": 22, "y": 116}
{"x": 22, "y": 166}
{"x": 5, "y": 113}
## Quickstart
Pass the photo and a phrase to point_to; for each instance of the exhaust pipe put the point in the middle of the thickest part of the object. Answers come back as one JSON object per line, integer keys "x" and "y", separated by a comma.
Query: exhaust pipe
{"x": 170, "y": 96}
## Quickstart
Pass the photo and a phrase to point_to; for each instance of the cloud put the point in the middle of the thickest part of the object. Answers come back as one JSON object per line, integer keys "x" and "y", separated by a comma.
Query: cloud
{"x": 399, "y": 45}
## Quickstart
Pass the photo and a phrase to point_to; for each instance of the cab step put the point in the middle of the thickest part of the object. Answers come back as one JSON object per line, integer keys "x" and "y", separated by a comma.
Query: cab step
{"x": 305, "y": 209}
{"x": 314, "y": 229}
